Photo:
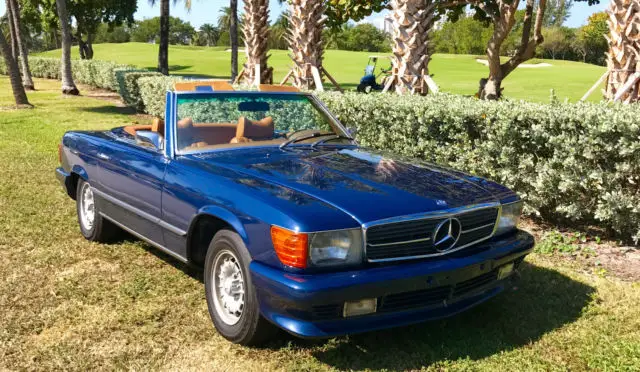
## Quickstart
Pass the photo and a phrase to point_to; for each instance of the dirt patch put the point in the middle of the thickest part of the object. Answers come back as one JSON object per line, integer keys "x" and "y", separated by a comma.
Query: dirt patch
{"x": 102, "y": 94}
{"x": 589, "y": 252}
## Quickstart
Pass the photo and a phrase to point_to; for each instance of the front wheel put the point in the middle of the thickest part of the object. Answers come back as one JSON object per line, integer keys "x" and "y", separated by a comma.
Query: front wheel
{"x": 231, "y": 296}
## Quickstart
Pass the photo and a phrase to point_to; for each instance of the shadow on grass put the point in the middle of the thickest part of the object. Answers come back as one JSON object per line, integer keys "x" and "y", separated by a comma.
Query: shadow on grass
{"x": 110, "y": 109}
{"x": 544, "y": 300}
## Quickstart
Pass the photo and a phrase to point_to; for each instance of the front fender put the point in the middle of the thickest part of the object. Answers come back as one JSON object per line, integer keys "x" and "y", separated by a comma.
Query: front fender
{"x": 224, "y": 215}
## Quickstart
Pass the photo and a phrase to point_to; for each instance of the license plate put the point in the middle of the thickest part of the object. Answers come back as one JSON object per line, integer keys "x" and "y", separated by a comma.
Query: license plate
{"x": 505, "y": 271}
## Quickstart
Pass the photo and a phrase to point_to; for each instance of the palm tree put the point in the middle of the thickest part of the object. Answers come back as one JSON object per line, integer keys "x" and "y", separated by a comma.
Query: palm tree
{"x": 14, "y": 18}
{"x": 256, "y": 39}
{"x": 228, "y": 20}
{"x": 68, "y": 86}
{"x": 307, "y": 22}
{"x": 19, "y": 94}
{"x": 624, "y": 54}
{"x": 233, "y": 36}
{"x": 412, "y": 21}
{"x": 210, "y": 34}
{"x": 163, "y": 50}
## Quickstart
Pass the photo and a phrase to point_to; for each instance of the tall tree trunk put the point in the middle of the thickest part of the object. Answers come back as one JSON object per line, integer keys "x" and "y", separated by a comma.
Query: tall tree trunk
{"x": 12, "y": 30}
{"x": 163, "y": 51}
{"x": 233, "y": 35}
{"x": 305, "y": 40}
{"x": 27, "y": 81}
{"x": 412, "y": 21}
{"x": 19, "y": 94}
{"x": 68, "y": 86}
{"x": 624, "y": 49}
{"x": 503, "y": 22}
{"x": 256, "y": 38}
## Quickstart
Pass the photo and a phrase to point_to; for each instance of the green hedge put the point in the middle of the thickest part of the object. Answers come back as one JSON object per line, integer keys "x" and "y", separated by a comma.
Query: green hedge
{"x": 96, "y": 73}
{"x": 129, "y": 90}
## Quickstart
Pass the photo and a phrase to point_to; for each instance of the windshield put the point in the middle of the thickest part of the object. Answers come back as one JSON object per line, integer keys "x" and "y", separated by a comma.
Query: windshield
{"x": 252, "y": 119}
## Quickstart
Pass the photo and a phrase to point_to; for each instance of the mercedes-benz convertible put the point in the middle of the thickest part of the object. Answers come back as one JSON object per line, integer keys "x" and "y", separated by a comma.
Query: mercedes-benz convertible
{"x": 294, "y": 224}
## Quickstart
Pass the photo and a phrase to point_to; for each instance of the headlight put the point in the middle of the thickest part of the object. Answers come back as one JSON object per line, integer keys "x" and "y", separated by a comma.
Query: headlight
{"x": 510, "y": 217}
{"x": 336, "y": 248}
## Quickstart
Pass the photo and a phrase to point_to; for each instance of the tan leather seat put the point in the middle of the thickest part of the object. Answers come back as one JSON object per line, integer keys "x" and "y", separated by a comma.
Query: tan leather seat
{"x": 158, "y": 126}
{"x": 249, "y": 130}
{"x": 204, "y": 134}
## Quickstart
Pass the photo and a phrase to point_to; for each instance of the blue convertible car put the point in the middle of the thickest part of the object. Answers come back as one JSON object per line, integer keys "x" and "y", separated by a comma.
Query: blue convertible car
{"x": 293, "y": 223}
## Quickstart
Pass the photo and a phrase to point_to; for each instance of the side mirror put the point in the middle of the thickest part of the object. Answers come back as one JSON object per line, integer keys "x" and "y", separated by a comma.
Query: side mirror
{"x": 151, "y": 139}
{"x": 351, "y": 131}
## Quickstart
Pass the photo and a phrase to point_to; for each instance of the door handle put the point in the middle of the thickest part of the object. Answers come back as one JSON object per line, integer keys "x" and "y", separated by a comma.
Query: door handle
{"x": 103, "y": 156}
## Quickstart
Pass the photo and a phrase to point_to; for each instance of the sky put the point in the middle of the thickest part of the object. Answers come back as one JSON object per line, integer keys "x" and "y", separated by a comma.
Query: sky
{"x": 207, "y": 11}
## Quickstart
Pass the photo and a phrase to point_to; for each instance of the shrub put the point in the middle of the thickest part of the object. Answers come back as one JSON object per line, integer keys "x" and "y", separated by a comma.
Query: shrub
{"x": 100, "y": 74}
{"x": 153, "y": 93}
{"x": 129, "y": 90}
{"x": 575, "y": 162}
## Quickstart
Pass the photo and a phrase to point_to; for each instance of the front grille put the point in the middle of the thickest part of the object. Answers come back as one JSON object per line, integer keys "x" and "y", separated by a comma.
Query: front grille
{"x": 409, "y": 239}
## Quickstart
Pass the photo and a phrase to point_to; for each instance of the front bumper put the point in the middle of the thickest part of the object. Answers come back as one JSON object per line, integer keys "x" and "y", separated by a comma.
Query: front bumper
{"x": 311, "y": 305}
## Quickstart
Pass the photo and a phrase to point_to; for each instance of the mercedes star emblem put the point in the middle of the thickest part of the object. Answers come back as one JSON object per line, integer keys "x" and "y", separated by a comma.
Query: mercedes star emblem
{"x": 446, "y": 234}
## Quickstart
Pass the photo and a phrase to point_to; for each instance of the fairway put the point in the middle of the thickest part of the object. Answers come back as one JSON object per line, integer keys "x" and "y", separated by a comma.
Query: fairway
{"x": 69, "y": 304}
{"x": 457, "y": 74}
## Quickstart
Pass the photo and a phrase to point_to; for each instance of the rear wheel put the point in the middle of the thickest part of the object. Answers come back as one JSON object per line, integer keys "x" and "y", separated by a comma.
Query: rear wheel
{"x": 231, "y": 296}
{"x": 93, "y": 226}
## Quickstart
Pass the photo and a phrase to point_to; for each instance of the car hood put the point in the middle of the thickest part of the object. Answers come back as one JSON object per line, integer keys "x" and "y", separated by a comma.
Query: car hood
{"x": 368, "y": 185}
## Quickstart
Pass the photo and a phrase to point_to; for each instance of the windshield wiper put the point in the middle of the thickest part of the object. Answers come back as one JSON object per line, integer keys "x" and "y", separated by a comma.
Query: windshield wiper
{"x": 333, "y": 137}
{"x": 294, "y": 139}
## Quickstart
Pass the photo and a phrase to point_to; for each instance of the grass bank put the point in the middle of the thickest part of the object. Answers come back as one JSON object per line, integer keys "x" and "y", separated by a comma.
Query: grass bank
{"x": 457, "y": 74}
{"x": 70, "y": 304}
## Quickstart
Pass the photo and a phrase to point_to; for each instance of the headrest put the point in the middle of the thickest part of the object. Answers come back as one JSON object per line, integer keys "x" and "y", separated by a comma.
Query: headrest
{"x": 158, "y": 126}
{"x": 185, "y": 123}
{"x": 262, "y": 129}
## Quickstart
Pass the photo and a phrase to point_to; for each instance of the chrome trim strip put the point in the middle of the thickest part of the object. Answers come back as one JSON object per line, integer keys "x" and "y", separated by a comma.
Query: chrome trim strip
{"x": 140, "y": 213}
{"x": 403, "y": 242}
{"x": 478, "y": 228}
{"x": 140, "y": 236}
{"x": 431, "y": 215}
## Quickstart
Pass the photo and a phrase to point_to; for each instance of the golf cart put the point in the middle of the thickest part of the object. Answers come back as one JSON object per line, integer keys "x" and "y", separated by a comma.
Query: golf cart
{"x": 368, "y": 81}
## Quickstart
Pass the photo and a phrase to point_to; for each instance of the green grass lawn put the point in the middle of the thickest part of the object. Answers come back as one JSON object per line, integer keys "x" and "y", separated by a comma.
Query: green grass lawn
{"x": 453, "y": 73}
{"x": 71, "y": 304}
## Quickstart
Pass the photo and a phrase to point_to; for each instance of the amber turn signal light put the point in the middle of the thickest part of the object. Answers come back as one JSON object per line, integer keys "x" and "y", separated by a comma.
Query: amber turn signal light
{"x": 291, "y": 247}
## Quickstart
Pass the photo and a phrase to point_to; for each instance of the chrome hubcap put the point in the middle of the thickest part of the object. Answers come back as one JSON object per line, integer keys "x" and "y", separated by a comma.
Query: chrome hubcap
{"x": 228, "y": 287}
{"x": 87, "y": 207}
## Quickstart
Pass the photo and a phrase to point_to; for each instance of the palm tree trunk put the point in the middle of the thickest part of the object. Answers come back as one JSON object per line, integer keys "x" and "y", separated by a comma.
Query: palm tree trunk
{"x": 68, "y": 86}
{"x": 163, "y": 51}
{"x": 19, "y": 94}
{"x": 624, "y": 53}
{"x": 27, "y": 81}
{"x": 412, "y": 21}
{"x": 305, "y": 40}
{"x": 256, "y": 38}
{"x": 12, "y": 30}
{"x": 233, "y": 35}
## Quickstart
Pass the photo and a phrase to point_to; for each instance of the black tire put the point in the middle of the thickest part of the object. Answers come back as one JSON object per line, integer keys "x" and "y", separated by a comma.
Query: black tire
{"x": 100, "y": 230}
{"x": 250, "y": 327}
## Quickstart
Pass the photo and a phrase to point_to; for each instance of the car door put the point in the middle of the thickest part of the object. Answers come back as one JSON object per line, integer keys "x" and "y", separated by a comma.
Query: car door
{"x": 131, "y": 187}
